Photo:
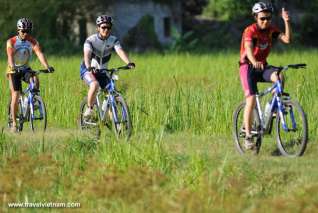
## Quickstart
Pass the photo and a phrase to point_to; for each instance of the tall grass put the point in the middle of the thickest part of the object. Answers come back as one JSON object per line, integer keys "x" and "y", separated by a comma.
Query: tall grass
{"x": 173, "y": 92}
{"x": 180, "y": 158}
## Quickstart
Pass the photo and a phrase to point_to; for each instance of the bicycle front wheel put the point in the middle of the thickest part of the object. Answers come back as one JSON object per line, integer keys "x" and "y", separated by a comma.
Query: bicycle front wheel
{"x": 292, "y": 130}
{"x": 121, "y": 118}
{"x": 38, "y": 118}
{"x": 239, "y": 129}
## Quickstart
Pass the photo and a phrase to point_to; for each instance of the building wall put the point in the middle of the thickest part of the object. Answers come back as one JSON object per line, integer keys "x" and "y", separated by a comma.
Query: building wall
{"x": 127, "y": 15}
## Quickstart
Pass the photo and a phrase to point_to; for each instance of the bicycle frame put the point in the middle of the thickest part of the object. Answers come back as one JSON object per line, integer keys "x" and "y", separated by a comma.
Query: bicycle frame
{"x": 111, "y": 93}
{"x": 30, "y": 94}
{"x": 276, "y": 106}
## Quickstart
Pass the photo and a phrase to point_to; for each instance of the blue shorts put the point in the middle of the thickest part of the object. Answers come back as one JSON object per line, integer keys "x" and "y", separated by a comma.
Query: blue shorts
{"x": 89, "y": 77}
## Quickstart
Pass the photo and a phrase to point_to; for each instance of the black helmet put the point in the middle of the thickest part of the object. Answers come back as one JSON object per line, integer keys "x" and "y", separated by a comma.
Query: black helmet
{"x": 104, "y": 19}
{"x": 24, "y": 24}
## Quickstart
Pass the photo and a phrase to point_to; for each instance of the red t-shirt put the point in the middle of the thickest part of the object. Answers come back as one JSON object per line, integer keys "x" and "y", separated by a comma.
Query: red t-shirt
{"x": 262, "y": 42}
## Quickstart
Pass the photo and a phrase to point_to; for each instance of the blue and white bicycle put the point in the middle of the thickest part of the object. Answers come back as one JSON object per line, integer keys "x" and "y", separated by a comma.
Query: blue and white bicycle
{"x": 109, "y": 109}
{"x": 291, "y": 121}
{"x": 31, "y": 107}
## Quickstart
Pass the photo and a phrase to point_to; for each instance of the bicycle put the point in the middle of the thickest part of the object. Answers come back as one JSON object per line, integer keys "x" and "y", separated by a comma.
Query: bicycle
{"x": 109, "y": 106}
{"x": 31, "y": 107}
{"x": 291, "y": 121}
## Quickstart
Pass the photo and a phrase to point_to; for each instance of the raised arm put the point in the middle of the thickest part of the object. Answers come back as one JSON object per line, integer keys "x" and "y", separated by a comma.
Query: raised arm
{"x": 285, "y": 37}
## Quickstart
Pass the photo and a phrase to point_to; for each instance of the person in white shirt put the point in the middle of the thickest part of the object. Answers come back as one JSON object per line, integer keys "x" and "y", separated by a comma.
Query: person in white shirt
{"x": 97, "y": 53}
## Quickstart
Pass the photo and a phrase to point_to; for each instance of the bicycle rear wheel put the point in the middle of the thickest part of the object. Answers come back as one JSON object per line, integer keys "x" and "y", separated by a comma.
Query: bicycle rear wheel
{"x": 19, "y": 116}
{"x": 38, "y": 117}
{"x": 293, "y": 136}
{"x": 89, "y": 125}
{"x": 121, "y": 118}
{"x": 239, "y": 129}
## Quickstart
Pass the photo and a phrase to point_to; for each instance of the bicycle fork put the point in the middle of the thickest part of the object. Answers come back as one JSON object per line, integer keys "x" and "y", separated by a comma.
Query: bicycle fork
{"x": 283, "y": 110}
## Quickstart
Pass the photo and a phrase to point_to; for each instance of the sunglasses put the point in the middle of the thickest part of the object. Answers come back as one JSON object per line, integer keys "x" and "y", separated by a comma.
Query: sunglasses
{"x": 268, "y": 18}
{"x": 106, "y": 27}
{"x": 24, "y": 31}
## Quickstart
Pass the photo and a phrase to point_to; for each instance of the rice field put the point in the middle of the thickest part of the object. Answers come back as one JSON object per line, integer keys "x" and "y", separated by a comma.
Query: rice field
{"x": 181, "y": 155}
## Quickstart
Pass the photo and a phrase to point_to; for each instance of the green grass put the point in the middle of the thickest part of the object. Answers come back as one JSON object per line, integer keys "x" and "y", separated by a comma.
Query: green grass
{"x": 181, "y": 156}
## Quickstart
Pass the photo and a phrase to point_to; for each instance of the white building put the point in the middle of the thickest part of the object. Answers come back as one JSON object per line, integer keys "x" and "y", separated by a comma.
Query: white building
{"x": 127, "y": 14}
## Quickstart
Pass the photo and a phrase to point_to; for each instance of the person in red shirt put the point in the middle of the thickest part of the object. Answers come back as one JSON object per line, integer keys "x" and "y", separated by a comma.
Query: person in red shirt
{"x": 256, "y": 44}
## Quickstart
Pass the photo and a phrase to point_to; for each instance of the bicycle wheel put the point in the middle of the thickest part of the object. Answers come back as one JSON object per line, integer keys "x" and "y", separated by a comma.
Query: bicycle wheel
{"x": 38, "y": 118}
{"x": 121, "y": 118}
{"x": 292, "y": 138}
{"x": 239, "y": 130}
{"x": 89, "y": 125}
{"x": 19, "y": 117}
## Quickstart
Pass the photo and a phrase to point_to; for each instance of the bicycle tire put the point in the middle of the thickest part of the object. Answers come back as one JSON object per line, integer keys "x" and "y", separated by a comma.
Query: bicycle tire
{"x": 39, "y": 119}
{"x": 238, "y": 129}
{"x": 19, "y": 117}
{"x": 292, "y": 143}
{"x": 123, "y": 127}
{"x": 92, "y": 125}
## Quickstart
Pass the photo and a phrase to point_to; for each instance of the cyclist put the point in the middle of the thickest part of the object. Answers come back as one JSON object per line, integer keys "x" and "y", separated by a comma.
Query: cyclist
{"x": 97, "y": 53}
{"x": 19, "y": 52}
{"x": 256, "y": 44}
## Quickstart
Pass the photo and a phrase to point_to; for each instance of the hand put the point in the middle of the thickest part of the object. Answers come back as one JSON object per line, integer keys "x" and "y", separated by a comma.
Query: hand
{"x": 131, "y": 65}
{"x": 50, "y": 69}
{"x": 11, "y": 69}
{"x": 258, "y": 65}
{"x": 285, "y": 15}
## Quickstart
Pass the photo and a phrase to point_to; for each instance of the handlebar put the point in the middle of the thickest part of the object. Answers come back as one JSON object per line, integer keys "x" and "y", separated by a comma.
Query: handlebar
{"x": 35, "y": 72}
{"x": 112, "y": 70}
{"x": 293, "y": 66}
{"x": 40, "y": 71}
{"x": 297, "y": 66}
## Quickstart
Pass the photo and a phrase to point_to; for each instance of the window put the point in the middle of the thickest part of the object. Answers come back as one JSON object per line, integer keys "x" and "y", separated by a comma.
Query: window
{"x": 167, "y": 26}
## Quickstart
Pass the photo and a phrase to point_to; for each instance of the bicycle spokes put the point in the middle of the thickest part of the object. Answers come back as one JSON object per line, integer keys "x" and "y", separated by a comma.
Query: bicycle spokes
{"x": 120, "y": 118}
{"x": 291, "y": 128}
{"x": 37, "y": 114}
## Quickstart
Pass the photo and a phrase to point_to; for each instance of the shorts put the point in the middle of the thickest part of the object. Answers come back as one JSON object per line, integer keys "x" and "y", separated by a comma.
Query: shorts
{"x": 89, "y": 77}
{"x": 17, "y": 78}
{"x": 249, "y": 78}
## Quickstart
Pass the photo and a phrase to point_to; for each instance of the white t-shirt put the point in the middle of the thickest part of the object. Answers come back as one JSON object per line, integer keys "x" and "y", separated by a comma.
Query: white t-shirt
{"x": 101, "y": 49}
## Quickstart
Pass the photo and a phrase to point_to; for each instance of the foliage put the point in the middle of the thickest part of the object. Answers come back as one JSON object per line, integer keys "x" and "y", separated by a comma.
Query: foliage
{"x": 238, "y": 9}
{"x": 183, "y": 42}
{"x": 52, "y": 19}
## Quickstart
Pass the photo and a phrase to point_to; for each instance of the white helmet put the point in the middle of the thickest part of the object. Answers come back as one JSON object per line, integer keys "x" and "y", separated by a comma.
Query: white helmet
{"x": 261, "y": 6}
{"x": 24, "y": 24}
{"x": 104, "y": 19}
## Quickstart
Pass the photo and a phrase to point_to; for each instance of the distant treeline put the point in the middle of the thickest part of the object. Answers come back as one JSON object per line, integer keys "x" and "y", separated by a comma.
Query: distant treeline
{"x": 54, "y": 20}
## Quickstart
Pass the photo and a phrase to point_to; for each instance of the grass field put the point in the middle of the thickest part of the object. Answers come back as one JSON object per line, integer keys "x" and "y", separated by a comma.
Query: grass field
{"x": 181, "y": 156}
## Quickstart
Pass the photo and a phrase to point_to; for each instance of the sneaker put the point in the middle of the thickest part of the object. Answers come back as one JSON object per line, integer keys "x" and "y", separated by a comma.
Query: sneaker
{"x": 88, "y": 113}
{"x": 249, "y": 144}
{"x": 13, "y": 129}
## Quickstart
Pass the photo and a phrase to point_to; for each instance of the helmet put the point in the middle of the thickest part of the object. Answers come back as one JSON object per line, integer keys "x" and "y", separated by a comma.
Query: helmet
{"x": 104, "y": 19}
{"x": 261, "y": 6}
{"x": 24, "y": 24}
